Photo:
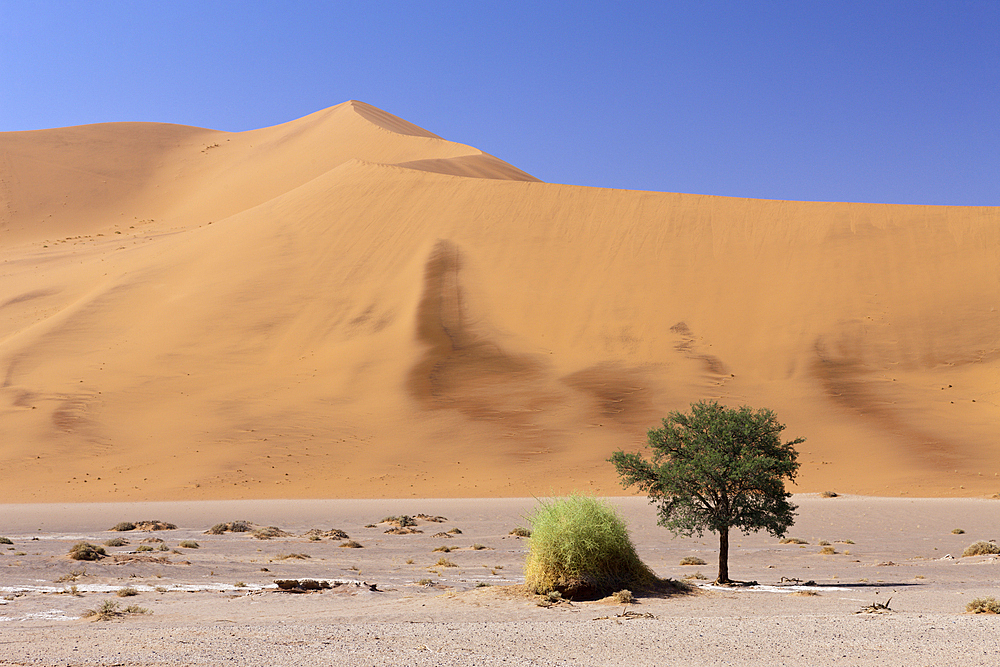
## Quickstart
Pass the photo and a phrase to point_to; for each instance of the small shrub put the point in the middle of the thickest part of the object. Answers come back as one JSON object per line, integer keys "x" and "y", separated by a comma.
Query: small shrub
{"x": 116, "y": 542}
{"x": 5, "y": 540}
{"x": 981, "y": 548}
{"x": 230, "y": 527}
{"x": 445, "y": 549}
{"x": 444, "y": 562}
{"x": 697, "y": 575}
{"x": 155, "y": 524}
{"x": 580, "y": 547}
{"x": 793, "y": 540}
{"x": 958, "y": 531}
{"x": 425, "y": 582}
{"x": 126, "y": 592}
{"x": 72, "y": 575}
{"x": 86, "y": 551}
{"x": 240, "y": 584}
{"x": 482, "y": 584}
{"x": 135, "y": 609}
{"x": 268, "y": 532}
{"x": 520, "y": 532}
{"x": 829, "y": 494}
{"x": 188, "y": 544}
{"x": 123, "y": 526}
{"x": 478, "y": 547}
{"x": 988, "y": 605}
{"x": 823, "y": 543}
{"x": 409, "y": 561}
{"x": 692, "y": 560}
{"x": 315, "y": 538}
{"x": 454, "y": 531}
{"x": 351, "y": 544}
{"x": 827, "y": 551}
{"x": 164, "y": 547}
{"x": 104, "y": 612}
{"x": 846, "y": 541}
{"x": 402, "y": 521}
{"x": 143, "y": 547}
{"x": 623, "y": 596}
{"x": 292, "y": 556}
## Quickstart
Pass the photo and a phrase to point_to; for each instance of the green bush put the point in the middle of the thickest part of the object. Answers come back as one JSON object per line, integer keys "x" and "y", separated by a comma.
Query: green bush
{"x": 580, "y": 547}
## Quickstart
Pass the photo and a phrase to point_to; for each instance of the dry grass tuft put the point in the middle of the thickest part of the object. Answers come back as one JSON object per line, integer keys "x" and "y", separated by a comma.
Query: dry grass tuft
{"x": 292, "y": 556}
{"x": 692, "y": 560}
{"x": 827, "y": 551}
{"x": 143, "y": 547}
{"x": 230, "y": 527}
{"x": 445, "y": 549}
{"x": 86, "y": 551}
{"x": 792, "y": 540}
{"x": 351, "y": 544}
{"x": 829, "y": 494}
{"x": 623, "y": 596}
{"x": 478, "y": 547}
{"x": 520, "y": 532}
{"x": 988, "y": 605}
{"x": 126, "y": 592}
{"x": 123, "y": 526}
{"x": 981, "y": 548}
{"x": 444, "y": 562}
{"x": 958, "y": 531}
{"x": 188, "y": 544}
{"x": 402, "y": 521}
{"x": 268, "y": 532}
{"x": 697, "y": 576}
{"x": 5, "y": 540}
{"x": 116, "y": 542}
{"x": 454, "y": 531}
{"x": 72, "y": 575}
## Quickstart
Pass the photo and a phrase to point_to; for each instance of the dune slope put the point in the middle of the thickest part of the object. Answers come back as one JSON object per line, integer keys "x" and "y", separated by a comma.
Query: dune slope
{"x": 347, "y": 305}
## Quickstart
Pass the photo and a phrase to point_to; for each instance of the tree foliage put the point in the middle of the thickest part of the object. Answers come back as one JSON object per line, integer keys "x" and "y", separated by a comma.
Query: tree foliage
{"x": 716, "y": 468}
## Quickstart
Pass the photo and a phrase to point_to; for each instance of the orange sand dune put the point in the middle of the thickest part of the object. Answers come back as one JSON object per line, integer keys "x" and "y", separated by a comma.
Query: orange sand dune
{"x": 347, "y": 305}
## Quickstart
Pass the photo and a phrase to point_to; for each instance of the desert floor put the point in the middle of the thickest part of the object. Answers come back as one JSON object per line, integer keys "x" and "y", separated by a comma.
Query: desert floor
{"x": 218, "y": 603}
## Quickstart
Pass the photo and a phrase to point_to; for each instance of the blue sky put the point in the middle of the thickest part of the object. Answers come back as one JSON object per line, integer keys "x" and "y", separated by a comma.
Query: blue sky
{"x": 895, "y": 102}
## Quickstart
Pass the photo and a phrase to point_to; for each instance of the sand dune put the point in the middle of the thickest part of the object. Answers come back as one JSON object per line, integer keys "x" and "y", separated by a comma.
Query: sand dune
{"x": 347, "y": 305}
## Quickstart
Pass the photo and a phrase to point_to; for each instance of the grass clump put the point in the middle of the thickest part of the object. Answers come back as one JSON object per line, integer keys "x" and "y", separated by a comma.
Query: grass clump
{"x": 445, "y": 549}
{"x": 402, "y": 521}
{"x": 188, "y": 544}
{"x": 988, "y": 605}
{"x": 230, "y": 527}
{"x": 623, "y": 596}
{"x": 292, "y": 556}
{"x": 478, "y": 547}
{"x": 827, "y": 551}
{"x": 829, "y": 494}
{"x": 351, "y": 544}
{"x": 268, "y": 532}
{"x": 123, "y": 526}
{"x": 143, "y": 547}
{"x": 520, "y": 531}
{"x": 86, "y": 551}
{"x": 793, "y": 540}
{"x": 958, "y": 531}
{"x": 580, "y": 548}
{"x": 444, "y": 562}
{"x": 692, "y": 560}
{"x": 981, "y": 548}
{"x": 109, "y": 609}
{"x": 5, "y": 540}
{"x": 126, "y": 592}
{"x": 116, "y": 542}
{"x": 454, "y": 531}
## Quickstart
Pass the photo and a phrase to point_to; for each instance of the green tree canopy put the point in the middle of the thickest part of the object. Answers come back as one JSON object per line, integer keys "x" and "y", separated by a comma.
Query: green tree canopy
{"x": 715, "y": 469}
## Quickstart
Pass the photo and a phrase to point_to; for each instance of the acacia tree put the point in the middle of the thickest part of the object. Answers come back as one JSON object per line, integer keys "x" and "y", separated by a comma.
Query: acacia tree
{"x": 715, "y": 469}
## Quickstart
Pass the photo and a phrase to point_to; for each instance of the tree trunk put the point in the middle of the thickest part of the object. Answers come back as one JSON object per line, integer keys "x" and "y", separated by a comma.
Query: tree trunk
{"x": 723, "y": 556}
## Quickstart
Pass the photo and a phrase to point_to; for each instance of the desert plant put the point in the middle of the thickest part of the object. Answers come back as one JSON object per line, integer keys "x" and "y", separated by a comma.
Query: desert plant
{"x": 164, "y": 547}
{"x": 454, "y": 531}
{"x": 230, "y": 527}
{"x": 123, "y": 526}
{"x": 697, "y": 575}
{"x": 793, "y": 540}
{"x": 988, "y": 605}
{"x": 445, "y": 549}
{"x": 692, "y": 560}
{"x": 478, "y": 547}
{"x": 188, "y": 544}
{"x": 143, "y": 547}
{"x": 823, "y": 543}
{"x": 520, "y": 531}
{"x": 402, "y": 521}
{"x": 717, "y": 468}
{"x": 72, "y": 575}
{"x": 580, "y": 547}
{"x": 425, "y": 582}
{"x": 268, "y": 532}
{"x": 827, "y": 551}
{"x": 958, "y": 531}
{"x": 292, "y": 556}
{"x": 126, "y": 592}
{"x": 86, "y": 551}
{"x": 829, "y": 494}
{"x": 981, "y": 548}
{"x": 135, "y": 609}
{"x": 104, "y": 612}
{"x": 444, "y": 562}
{"x": 5, "y": 540}
{"x": 116, "y": 542}
{"x": 240, "y": 584}
{"x": 623, "y": 596}
{"x": 351, "y": 544}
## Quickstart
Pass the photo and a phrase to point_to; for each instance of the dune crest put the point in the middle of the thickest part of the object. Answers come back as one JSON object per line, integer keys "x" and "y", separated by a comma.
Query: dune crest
{"x": 347, "y": 305}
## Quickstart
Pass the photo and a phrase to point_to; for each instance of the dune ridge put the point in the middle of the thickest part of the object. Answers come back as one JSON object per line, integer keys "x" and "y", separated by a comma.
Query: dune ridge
{"x": 347, "y": 305}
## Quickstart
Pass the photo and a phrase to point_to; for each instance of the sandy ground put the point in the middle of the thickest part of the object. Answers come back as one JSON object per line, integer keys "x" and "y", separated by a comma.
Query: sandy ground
{"x": 347, "y": 305}
{"x": 218, "y": 604}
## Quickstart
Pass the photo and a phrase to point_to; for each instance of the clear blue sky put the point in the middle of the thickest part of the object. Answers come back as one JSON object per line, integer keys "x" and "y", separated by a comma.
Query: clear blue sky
{"x": 894, "y": 102}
